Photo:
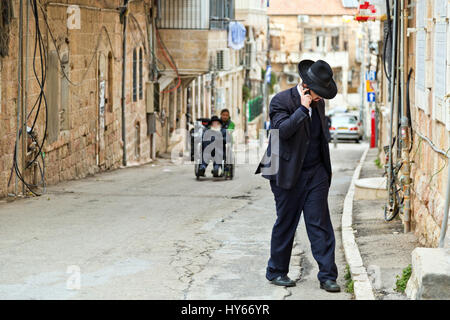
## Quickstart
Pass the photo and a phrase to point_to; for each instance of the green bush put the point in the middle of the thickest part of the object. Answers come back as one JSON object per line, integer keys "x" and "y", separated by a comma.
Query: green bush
{"x": 349, "y": 282}
{"x": 403, "y": 279}
{"x": 378, "y": 163}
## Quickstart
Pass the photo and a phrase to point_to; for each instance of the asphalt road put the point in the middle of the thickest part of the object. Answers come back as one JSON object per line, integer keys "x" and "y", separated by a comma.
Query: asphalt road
{"x": 154, "y": 232}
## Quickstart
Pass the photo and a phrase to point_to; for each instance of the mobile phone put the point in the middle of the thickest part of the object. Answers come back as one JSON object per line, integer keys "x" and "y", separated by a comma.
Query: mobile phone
{"x": 306, "y": 87}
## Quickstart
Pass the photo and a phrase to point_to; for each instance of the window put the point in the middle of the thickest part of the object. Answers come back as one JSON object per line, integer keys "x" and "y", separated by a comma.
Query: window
{"x": 307, "y": 39}
{"x": 135, "y": 75}
{"x": 52, "y": 95}
{"x": 335, "y": 39}
{"x": 183, "y": 14}
{"x": 320, "y": 41}
{"x": 220, "y": 12}
{"x": 421, "y": 99}
{"x": 64, "y": 94}
{"x": 440, "y": 60}
{"x": 141, "y": 75}
{"x": 110, "y": 91}
{"x": 275, "y": 42}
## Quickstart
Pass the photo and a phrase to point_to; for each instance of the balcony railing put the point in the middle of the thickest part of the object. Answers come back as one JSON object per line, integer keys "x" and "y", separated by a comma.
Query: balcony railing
{"x": 195, "y": 14}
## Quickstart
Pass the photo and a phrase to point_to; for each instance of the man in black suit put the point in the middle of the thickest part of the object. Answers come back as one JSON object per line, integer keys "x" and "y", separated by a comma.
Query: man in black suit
{"x": 297, "y": 163}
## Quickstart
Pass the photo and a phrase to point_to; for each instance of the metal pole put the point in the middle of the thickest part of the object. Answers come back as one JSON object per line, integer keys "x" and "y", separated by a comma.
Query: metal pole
{"x": 361, "y": 110}
{"x": 405, "y": 179}
{"x": 124, "y": 77}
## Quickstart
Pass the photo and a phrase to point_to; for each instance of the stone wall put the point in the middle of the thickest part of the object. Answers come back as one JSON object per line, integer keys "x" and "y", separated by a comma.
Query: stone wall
{"x": 429, "y": 170}
{"x": 82, "y": 139}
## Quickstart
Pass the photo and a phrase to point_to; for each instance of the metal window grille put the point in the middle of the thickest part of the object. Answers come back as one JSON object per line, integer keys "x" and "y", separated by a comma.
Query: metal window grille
{"x": 195, "y": 14}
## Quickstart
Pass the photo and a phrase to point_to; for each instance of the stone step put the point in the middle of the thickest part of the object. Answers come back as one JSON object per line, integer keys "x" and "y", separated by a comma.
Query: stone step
{"x": 370, "y": 188}
{"x": 430, "y": 277}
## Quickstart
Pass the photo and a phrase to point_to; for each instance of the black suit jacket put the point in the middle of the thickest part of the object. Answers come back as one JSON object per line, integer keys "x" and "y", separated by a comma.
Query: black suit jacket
{"x": 293, "y": 126}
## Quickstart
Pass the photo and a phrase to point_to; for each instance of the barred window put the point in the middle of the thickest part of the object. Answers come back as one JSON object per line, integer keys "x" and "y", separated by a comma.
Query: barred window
{"x": 141, "y": 75}
{"x": 135, "y": 75}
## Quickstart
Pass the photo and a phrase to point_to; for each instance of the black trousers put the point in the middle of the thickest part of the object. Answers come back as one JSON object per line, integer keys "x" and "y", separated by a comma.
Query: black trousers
{"x": 309, "y": 195}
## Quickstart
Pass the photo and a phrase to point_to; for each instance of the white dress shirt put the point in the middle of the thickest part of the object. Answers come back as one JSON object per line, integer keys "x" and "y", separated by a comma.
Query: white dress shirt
{"x": 300, "y": 93}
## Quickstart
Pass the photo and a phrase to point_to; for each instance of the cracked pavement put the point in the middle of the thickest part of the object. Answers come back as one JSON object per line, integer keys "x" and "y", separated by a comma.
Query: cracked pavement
{"x": 154, "y": 232}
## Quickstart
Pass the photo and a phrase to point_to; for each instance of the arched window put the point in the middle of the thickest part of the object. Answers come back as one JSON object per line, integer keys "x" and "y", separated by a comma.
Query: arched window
{"x": 110, "y": 82}
{"x": 141, "y": 74}
{"x": 135, "y": 74}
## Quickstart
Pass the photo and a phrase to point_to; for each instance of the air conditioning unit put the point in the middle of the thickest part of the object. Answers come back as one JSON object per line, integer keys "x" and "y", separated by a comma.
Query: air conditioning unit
{"x": 223, "y": 59}
{"x": 302, "y": 18}
{"x": 291, "y": 79}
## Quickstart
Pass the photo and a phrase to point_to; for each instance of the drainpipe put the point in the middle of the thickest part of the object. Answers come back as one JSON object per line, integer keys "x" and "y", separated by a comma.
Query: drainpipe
{"x": 405, "y": 178}
{"x": 393, "y": 93}
{"x": 19, "y": 94}
{"x": 124, "y": 14}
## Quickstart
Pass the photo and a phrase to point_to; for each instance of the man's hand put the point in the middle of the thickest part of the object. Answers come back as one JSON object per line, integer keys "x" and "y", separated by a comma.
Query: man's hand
{"x": 305, "y": 99}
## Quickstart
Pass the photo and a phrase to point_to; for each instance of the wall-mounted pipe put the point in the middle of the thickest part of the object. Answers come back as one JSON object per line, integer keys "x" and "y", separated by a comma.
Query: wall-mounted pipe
{"x": 124, "y": 14}
{"x": 393, "y": 100}
{"x": 406, "y": 175}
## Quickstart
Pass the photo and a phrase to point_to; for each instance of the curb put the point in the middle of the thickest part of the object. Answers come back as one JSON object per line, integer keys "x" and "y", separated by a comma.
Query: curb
{"x": 362, "y": 286}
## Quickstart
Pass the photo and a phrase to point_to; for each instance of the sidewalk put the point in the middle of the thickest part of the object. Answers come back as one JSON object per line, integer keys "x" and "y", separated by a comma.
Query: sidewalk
{"x": 385, "y": 249}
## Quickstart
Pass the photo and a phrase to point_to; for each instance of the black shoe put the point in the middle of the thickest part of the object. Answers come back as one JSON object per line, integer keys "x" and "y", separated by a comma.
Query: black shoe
{"x": 284, "y": 281}
{"x": 201, "y": 171}
{"x": 330, "y": 286}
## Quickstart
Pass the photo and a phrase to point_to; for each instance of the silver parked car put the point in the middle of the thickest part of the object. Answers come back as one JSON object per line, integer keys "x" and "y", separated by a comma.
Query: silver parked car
{"x": 347, "y": 127}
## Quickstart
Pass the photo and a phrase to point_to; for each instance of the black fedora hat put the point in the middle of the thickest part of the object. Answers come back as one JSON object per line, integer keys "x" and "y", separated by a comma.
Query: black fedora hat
{"x": 318, "y": 76}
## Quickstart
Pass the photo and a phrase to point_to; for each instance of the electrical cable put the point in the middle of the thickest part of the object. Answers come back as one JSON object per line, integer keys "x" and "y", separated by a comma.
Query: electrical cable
{"x": 387, "y": 37}
{"x": 408, "y": 109}
{"x": 39, "y": 44}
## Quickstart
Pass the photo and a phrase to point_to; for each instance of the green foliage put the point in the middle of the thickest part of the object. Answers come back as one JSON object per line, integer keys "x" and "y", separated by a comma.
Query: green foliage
{"x": 349, "y": 285}
{"x": 403, "y": 279}
{"x": 347, "y": 275}
{"x": 245, "y": 93}
{"x": 378, "y": 163}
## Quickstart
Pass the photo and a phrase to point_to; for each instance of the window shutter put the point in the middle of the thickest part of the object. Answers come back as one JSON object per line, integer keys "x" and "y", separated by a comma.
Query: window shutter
{"x": 421, "y": 36}
{"x": 440, "y": 60}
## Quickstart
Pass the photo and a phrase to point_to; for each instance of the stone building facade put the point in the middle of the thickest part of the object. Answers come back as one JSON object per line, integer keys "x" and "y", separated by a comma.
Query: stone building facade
{"x": 82, "y": 89}
{"x": 205, "y": 76}
{"x": 317, "y": 30}
{"x": 175, "y": 72}
{"x": 428, "y": 56}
